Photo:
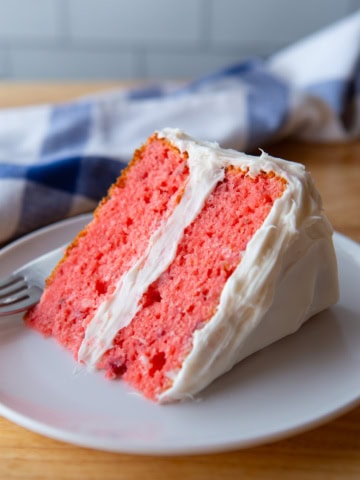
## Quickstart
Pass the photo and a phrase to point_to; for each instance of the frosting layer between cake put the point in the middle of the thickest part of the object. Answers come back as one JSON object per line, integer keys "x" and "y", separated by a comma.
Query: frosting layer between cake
{"x": 118, "y": 311}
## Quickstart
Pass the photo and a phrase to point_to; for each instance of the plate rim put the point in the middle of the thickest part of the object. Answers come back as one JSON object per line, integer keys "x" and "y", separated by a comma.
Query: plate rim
{"x": 90, "y": 442}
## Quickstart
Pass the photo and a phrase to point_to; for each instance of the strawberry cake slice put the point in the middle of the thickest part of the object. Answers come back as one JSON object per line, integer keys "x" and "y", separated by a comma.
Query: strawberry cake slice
{"x": 198, "y": 257}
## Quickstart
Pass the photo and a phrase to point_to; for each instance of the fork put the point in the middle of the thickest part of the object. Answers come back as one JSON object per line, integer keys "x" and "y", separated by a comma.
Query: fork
{"x": 23, "y": 288}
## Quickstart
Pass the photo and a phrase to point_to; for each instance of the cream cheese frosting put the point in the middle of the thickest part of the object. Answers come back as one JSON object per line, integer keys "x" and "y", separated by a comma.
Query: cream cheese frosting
{"x": 288, "y": 271}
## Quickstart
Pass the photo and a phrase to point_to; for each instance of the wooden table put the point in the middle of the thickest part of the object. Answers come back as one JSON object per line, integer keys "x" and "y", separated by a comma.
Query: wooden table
{"x": 328, "y": 452}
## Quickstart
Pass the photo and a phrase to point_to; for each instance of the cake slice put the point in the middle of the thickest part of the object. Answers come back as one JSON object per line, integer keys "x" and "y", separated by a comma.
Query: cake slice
{"x": 198, "y": 257}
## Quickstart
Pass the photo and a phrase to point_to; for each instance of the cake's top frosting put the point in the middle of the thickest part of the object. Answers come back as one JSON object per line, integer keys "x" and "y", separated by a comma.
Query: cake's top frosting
{"x": 294, "y": 238}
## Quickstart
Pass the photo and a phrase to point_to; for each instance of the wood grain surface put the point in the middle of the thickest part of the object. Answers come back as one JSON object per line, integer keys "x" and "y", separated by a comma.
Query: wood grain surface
{"x": 331, "y": 451}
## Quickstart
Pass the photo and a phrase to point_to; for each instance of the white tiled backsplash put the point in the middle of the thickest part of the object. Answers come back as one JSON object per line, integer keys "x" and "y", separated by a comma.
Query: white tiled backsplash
{"x": 125, "y": 39}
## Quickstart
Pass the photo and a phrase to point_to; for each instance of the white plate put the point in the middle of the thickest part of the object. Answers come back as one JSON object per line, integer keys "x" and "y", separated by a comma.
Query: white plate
{"x": 295, "y": 384}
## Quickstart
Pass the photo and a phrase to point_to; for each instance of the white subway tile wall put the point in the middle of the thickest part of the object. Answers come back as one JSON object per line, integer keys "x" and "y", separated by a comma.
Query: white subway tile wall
{"x": 136, "y": 22}
{"x": 62, "y": 63}
{"x": 33, "y": 20}
{"x": 149, "y": 39}
{"x": 275, "y": 22}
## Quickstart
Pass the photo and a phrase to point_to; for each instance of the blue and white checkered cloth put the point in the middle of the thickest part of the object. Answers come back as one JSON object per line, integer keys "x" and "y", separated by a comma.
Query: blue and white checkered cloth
{"x": 58, "y": 161}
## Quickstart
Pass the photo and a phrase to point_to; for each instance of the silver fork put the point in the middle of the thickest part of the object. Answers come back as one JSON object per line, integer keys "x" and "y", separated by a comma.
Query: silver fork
{"x": 23, "y": 288}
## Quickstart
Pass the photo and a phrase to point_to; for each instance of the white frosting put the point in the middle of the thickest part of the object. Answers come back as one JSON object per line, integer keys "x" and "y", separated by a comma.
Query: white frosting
{"x": 288, "y": 271}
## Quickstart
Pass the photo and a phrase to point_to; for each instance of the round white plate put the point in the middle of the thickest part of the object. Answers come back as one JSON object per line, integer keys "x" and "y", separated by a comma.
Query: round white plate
{"x": 297, "y": 383}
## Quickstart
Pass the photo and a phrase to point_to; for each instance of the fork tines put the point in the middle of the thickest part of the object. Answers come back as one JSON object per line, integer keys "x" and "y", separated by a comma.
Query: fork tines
{"x": 16, "y": 294}
{"x": 11, "y": 285}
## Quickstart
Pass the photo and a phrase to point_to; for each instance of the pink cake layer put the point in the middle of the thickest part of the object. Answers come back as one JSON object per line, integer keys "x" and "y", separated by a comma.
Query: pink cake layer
{"x": 145, "y": 194}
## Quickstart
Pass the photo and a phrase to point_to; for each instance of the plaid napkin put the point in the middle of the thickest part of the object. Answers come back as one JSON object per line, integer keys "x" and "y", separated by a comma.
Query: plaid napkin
{"x": 58, "y": 161}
